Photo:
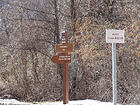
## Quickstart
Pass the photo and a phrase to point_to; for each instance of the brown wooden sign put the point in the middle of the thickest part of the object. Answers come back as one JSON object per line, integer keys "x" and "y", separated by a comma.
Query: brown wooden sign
{"x": 65, "y": 58}
{"x": 64, "y": 48}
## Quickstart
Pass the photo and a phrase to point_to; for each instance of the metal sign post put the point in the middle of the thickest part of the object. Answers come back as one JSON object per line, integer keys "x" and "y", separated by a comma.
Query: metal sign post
{"x": 114, "y": 36}
{"x": 114, "y": 73}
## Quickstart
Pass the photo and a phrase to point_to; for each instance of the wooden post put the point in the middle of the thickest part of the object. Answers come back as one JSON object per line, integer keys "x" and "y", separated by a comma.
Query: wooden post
{"x": 65, "y": 83}
{"x": 64, "y": 58}
{"x": 65, "y": 78}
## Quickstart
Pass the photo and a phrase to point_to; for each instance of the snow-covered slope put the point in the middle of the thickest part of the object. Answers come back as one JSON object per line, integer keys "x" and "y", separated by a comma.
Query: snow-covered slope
{"x": 78, "y": 102}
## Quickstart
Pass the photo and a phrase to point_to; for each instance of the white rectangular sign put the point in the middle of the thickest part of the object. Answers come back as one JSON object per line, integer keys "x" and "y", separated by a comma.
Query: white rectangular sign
{"x": 114, "y": 36}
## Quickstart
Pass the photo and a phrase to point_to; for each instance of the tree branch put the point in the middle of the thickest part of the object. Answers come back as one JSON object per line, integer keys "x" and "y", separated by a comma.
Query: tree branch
{"x": 35, "y": 10}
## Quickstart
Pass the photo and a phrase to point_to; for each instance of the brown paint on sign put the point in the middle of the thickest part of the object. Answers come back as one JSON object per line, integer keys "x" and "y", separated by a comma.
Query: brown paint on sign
{"x": 64, "y": 48}
{"x": 65, "y": 58}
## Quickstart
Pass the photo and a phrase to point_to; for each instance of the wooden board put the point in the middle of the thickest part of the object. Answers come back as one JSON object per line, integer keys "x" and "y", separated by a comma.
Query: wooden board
{"x": 65, "y": 58}
{"x": 64, "y": 48}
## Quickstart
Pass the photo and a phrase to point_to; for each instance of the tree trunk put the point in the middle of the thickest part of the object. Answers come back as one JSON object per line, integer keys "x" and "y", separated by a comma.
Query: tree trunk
{"x": 56, "y": 36}
{"x": 73, "y": 16}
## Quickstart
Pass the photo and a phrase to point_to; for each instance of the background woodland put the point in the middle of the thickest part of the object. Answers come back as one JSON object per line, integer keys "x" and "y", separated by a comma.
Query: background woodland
{"x": 29, "y": 30}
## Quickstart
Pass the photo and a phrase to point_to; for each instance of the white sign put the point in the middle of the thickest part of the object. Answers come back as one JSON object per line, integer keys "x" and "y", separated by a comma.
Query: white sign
{"x": 114, "y": 36}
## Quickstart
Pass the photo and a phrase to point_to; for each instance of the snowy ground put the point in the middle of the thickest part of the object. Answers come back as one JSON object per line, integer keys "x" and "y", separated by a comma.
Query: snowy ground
{"x": 78, "y": 102}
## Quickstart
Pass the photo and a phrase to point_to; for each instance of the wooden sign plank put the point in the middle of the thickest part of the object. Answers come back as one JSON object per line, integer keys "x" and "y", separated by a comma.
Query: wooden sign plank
{"x": 64, "y": 48}
{"x": 65, "y": 58}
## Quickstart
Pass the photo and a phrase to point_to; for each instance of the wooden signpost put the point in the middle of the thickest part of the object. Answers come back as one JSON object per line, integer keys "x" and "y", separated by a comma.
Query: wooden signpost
{"x": 64, "y": 58}
{"x": 64, "y": 48}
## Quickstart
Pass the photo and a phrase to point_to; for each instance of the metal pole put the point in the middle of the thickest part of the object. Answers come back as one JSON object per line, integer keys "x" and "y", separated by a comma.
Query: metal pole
{"x": 114, "y": 74}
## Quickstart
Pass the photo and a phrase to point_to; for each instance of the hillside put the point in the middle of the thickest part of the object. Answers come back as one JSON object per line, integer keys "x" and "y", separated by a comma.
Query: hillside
{"x": 29, "y": 31}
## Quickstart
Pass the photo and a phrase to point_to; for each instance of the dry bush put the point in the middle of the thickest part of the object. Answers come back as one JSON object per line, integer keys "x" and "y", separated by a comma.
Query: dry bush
{"x": 95, "y": 53}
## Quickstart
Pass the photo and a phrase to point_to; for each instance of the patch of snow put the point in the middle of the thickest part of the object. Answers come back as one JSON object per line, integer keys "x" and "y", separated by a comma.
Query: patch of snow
{"x": 78, "y": 102}
{"x": 12, "y": 102}
{"x": 8, "y": 100}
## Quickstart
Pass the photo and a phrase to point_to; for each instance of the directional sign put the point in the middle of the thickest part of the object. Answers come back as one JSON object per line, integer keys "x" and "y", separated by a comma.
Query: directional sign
{"x": 115, "y": 36}
{"x": 65, "y": 58}
{"x": 64, "y": 48}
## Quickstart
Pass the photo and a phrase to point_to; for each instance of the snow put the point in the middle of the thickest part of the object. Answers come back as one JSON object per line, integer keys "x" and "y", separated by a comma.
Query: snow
{"x": 78, "y": 102}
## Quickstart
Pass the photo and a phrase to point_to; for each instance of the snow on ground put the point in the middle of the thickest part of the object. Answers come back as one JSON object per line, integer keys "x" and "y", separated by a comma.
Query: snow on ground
{"x": 78, "y": 102}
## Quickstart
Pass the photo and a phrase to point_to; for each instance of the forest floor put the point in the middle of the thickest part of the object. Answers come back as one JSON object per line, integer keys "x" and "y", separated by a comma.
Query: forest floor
{"x": 78, "y": 102}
